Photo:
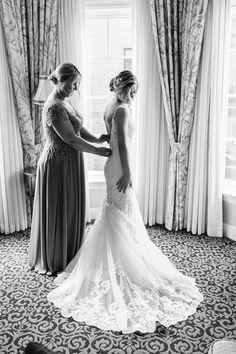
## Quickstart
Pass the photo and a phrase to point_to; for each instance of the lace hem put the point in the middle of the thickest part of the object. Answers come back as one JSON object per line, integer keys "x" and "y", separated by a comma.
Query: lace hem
{"x": 117, "y": 324}
{"x": 135, "y": 309}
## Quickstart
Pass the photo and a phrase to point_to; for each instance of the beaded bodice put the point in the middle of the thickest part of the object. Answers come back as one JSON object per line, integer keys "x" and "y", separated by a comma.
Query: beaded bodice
{"x": 131, "y": 129}
{"x": 56, "y": 111}
{"x": 113, "y": 168}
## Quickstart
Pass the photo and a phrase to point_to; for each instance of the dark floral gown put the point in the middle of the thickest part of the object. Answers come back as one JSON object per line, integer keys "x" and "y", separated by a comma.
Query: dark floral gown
{"x": 59, "y": 206}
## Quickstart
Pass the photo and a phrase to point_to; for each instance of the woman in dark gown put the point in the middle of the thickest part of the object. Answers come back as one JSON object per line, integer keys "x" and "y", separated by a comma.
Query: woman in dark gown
{"x": 59, "y": 206}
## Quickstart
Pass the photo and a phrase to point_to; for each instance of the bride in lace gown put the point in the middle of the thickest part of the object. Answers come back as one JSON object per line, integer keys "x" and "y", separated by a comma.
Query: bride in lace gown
{"x": 119, "y": 280}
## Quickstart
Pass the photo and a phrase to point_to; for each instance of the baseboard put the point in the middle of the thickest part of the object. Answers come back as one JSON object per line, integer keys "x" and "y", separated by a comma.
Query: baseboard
{"x": 229, "y": 231}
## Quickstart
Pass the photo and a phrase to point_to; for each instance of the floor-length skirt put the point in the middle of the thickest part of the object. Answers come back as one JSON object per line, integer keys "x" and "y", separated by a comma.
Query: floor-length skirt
{"x": 120, "y": 280}
{"x": 58, "y": 219}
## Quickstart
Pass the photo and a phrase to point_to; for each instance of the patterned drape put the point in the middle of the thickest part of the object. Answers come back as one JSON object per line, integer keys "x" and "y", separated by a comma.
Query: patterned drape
{"x": 178, "y": 27}
{"x": 30, "y": 30}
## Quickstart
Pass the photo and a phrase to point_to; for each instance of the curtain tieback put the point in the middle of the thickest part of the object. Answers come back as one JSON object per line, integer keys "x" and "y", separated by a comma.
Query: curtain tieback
{"x": 179, "y": 147}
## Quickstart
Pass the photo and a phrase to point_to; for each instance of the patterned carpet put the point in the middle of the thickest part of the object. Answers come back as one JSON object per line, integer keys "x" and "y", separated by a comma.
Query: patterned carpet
{"x": 26, "y": 315}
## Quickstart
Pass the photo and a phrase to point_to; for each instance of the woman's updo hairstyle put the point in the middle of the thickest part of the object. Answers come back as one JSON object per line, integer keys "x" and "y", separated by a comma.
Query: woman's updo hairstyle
{"x": 123, "y": 81}
{"x": 63, "y": 72}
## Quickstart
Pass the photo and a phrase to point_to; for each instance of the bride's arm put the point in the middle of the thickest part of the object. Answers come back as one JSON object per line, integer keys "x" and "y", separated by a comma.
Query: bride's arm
{"x": 121, "y": 119}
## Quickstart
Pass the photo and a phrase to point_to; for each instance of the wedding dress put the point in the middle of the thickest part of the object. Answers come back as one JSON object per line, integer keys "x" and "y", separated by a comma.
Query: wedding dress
{"x": 119, "y": 280}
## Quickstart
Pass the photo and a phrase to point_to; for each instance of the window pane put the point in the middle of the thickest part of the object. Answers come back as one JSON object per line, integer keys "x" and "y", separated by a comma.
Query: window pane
{"x": 230, "y": 171}
{"x": 231, "y": 128}
{"x": 96, "y": 125}
{"x": 97, "y": 77}
{"x": 120, "y": 36}
{"x": 231, "y": 113}
{"x": 233, "y": 28}
{"x": 232, "y": 74}
{"x": 232, "y": 100}
{"x": 96, "y": 163}
{"x": 95, "y": 110}
{"x": 115, "y": 66}
{"x": 96, "y": 37}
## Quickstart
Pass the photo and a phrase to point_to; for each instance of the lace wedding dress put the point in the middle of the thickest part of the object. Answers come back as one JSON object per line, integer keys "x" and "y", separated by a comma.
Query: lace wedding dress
{"x": 119, "y": 280}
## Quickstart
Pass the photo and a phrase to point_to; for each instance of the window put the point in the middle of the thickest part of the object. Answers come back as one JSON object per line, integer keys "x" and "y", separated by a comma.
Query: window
{"x": 109, "y": 51}
{"x": 230, "y": 163}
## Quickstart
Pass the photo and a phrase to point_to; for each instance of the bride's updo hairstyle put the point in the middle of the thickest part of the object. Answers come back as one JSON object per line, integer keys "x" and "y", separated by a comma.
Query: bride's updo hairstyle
{"x": 123, "y": 81}
{"x": 63, "y": 72}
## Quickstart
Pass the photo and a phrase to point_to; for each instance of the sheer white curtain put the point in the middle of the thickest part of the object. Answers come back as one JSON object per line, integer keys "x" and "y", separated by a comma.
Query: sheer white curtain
{"x": 71, "y": 42}
{"x": 152, "y": 146}
{"x": 12, "y": 194}
{"x": 203, "y": 212}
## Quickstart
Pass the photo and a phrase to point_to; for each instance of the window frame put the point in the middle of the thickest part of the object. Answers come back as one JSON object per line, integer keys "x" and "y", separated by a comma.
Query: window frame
{"x": 229, "y": 185}
{"x": 98, "y": 9}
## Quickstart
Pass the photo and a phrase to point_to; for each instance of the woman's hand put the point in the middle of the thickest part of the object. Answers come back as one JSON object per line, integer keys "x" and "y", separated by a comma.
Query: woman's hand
{"x": 124, "y": 182}
{"x": 103, "y": 138}
{"x": 102, "y": 151}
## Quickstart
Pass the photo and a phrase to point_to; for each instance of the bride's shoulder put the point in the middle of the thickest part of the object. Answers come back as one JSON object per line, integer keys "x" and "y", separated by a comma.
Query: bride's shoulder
{"x": 122, "y": 110}
{"x": 121, "y": 115}
{"x": 122, "y": 107}
{"x": 113, "y": 112}
{"x": 53, "y": 104}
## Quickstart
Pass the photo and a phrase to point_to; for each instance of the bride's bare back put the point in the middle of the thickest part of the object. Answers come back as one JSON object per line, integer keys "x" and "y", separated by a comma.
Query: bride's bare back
{"x": 109, "y": 114}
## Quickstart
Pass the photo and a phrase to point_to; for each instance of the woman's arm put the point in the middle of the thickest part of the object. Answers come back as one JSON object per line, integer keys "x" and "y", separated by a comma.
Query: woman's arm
{"x": 66, "y": 132}
{"x": 121, "y": 118}
{"x": 86, "y": 135}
